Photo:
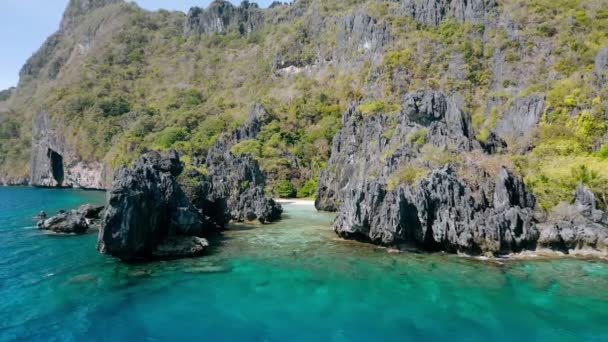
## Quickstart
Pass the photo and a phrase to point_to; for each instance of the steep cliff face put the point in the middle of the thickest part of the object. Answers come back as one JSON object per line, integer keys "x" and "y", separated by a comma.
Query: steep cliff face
{"x": 221, "y": 15}
{"x": 238, "y": 179}
{"x": 519, "y": 122}
{"x": 433, "y": 12}
{"x": 69, "y": 42}
{"x": 55, "y": 160}
{"x": 379, "y": 144}
{"x": 55, "y": 164}
{"x": 384, "y": 192}
{"x": 361, "y": 37}
{"x": 421, "y": 180}
{"x": 77, "y": 9}
{"x": 149, "y": 216}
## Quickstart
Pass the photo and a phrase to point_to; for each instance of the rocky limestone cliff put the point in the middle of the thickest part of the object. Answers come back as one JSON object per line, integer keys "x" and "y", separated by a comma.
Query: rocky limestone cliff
{"x": 361, "y": 146}
{"x": 239, "y": 179}
{"x": 454, "y": 209}
{"x": 519, "y": 122}
{"x": 433, "y": 12}
{"x": 76, "y": 9}
{"x": 458, "y": 207}
{"x": 221, "y": 15}
{"x": 578, "y": 228}
{"x": 55, "y": 164}
{"x": 60, "y": 48}
{"x": 361, "y": 37}
{"x": 149, "y": 216}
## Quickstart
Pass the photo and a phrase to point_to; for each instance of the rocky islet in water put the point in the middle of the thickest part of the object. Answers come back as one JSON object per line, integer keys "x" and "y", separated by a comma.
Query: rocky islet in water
{"x": 155, "y": 210}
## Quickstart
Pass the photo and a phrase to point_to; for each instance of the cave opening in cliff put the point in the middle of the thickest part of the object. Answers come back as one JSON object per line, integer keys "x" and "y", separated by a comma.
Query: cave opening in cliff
{"x": 56, "y": 166}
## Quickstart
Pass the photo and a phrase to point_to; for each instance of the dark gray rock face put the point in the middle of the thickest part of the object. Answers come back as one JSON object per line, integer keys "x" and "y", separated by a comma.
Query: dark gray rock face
{"x": 449, "y": 209}
{"x": 443, "y": 213}
{"x": 521, "y": 119}
{"x": 239, "y": 180}
{"x": 221, "y": 15}
{"x": 578, "y": 228}
{"x": 433, "y": 12}
{"x": 54, "y": 163}
{"x": 457, "y": 207}
{"x": 362, "y": 148}
{"x": 361, "y": 36}
{"x": 601, "y": 67}
{"x": 146, "y": 205}
{"x": 91, "y": 211}
{"x": 199, "y": 189}
{"x": 70, "y": 222}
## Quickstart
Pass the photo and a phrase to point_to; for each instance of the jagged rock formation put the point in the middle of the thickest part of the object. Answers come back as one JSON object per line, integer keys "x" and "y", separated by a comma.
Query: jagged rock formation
{"x": 362, "y": 36}
{"x": 70, "y": 222}
{"x": 458, "y": 207}
{"x": 91, "y": 211}
{"x": 199, "y": 189}
{"x": 462, "y": 209}
{"x": 147, "y": 206}
{"x": 579, "y": 228}
{"x": 443, "y": 212}
{"x": 73, "y": 221}
{"x": 433, "y": 12}
{"x": 56, "y": 51}
{"x": 238, "y": 179}
{"x": 55, "y": 164}
{"x": 360, "y": 147}
{"x": 76, "y": 9}
{"x": 520, "y": 120}
{"x": 221, "y": 15}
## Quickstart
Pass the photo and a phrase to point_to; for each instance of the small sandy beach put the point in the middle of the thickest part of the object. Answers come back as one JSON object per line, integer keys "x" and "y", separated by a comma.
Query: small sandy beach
{"x": 294, "y": 201}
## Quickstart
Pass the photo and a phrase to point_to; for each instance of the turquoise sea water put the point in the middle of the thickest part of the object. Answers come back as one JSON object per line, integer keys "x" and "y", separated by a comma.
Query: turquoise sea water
{"x": 290, "y": 281}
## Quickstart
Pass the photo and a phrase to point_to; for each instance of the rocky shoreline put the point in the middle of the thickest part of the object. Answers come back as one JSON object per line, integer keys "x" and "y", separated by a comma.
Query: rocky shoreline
{"x": 429, "y": 186}
{"x": 156, "y": 210}
{"x": 432, "y": 185}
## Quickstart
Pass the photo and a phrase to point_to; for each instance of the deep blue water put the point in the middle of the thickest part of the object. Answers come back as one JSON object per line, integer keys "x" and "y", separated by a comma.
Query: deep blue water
{"x": 290, "y": 281}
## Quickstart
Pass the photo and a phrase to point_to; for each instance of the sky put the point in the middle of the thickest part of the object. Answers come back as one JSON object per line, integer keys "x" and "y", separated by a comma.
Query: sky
{"x": 25, "y": 24}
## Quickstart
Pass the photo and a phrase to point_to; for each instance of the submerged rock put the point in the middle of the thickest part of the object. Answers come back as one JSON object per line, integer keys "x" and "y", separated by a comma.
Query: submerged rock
{"x": 70, "y": 222}
{"x": 146, "y": 206}
{"x": 180, "y": 247}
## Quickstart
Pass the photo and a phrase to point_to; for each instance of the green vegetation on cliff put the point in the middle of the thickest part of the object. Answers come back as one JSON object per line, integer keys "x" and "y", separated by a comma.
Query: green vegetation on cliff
{"x": 122, "y": 80}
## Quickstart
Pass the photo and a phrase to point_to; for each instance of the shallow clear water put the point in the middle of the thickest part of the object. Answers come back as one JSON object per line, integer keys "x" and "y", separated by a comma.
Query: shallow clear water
{"x": 290, "y": 281}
